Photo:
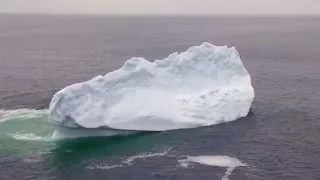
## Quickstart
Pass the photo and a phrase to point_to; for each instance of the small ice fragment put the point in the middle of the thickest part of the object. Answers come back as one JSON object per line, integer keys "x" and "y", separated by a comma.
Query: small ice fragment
{"x": 227, "y": 162}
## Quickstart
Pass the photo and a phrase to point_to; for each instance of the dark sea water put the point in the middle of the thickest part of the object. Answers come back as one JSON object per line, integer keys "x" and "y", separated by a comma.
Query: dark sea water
{"x": 279, "y": 140}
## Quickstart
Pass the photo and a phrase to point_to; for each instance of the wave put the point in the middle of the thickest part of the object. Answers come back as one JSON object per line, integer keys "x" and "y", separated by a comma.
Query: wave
{"x": 6, "y": 115}
{"x": 32, "y": 125}
{"x": 28, "y": 137}
{"x": 129, "y": 160}
{"x": 25, "y": 125}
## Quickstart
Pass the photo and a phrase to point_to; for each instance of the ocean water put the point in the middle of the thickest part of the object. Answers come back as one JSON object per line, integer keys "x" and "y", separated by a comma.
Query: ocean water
{"x": 278, "y": 140}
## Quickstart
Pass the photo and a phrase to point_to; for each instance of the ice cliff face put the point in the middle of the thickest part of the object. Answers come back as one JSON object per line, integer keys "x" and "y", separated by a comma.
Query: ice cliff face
{"x": 205, "y": 85}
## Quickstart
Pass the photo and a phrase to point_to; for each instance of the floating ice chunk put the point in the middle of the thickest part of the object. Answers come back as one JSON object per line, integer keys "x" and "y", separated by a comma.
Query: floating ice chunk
{"x": 205, "y": 85}
{"x": 219, "y": 161}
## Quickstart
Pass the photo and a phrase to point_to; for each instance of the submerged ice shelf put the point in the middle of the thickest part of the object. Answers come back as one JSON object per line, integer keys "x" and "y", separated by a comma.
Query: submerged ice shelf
{"x": 205, "y": 85}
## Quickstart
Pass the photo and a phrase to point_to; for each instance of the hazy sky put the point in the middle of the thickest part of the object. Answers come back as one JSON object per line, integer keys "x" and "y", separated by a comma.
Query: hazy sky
{"x": 272, "y": 7}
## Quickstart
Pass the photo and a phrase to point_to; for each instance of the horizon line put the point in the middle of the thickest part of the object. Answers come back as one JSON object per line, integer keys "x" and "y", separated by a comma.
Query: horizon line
{"x": 161, "y": 15}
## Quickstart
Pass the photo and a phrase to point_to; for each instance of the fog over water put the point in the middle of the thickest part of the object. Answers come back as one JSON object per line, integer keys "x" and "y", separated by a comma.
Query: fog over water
{"x": 164, "y": 7}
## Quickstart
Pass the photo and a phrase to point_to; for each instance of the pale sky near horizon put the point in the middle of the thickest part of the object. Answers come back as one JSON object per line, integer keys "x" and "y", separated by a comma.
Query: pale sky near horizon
{"x": 164, "y": 7}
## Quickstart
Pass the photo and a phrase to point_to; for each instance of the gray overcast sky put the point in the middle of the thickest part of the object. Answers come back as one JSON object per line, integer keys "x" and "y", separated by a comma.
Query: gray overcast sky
{"x": 191, "y": 7}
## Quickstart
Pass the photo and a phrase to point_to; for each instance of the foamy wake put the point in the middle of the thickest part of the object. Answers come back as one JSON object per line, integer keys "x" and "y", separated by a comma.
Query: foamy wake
{"x": 6, "y": 115}
{"x": 28, "y": 137}
{"x": 128, "y": 161}
{"x": 230, "y": 163}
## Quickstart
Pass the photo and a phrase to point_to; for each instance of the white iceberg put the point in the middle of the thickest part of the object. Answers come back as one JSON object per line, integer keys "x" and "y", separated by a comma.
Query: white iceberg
{"x": 203, "y": 86}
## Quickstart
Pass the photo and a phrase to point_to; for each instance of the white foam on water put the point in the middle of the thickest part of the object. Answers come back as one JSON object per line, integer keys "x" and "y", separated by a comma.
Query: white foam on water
{"x": 227, "y": 162}
{"x": 131, "y": 159}
{"x": 28, "y": 137}
{"x": 128, "y": 161}
{"x": 104, "y": 166}
{"x": 6, "y": 115}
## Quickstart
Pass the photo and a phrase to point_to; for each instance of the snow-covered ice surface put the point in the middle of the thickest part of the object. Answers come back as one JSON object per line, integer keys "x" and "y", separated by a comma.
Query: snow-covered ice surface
{"x": 219, "y": 161}
{"x": 205, "y": 85}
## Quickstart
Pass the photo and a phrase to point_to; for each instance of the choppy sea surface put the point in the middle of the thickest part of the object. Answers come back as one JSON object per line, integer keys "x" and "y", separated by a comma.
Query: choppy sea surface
{"x": 278, "y": 140}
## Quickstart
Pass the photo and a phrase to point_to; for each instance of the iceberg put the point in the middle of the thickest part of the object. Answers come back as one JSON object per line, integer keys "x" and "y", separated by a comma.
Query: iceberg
{"x": 203, "y": 86}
